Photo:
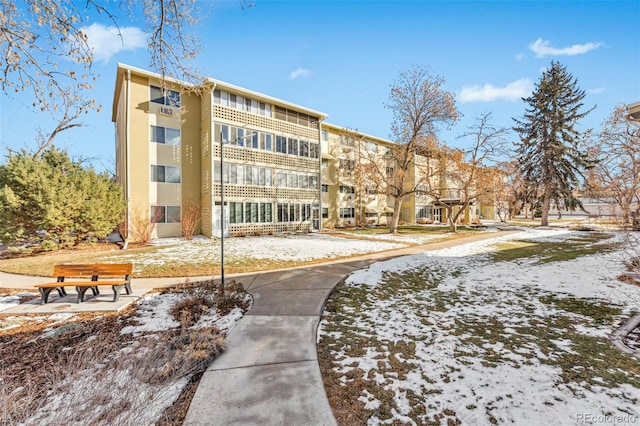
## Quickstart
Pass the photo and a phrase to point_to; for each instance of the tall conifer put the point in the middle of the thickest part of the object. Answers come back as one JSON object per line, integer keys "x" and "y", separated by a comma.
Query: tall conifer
{"x": 550, "y": 151}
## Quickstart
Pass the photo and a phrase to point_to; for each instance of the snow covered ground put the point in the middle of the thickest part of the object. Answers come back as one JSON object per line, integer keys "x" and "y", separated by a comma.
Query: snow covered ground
{"x": 454, "y": 335}
{"x": 119, "y": 380}
{"x": 304, "y": 247}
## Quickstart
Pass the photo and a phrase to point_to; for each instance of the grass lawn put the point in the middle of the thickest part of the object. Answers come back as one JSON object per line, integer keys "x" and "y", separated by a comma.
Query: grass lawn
{"x": 488, "y": 333}
{"x": 201, "y": 256}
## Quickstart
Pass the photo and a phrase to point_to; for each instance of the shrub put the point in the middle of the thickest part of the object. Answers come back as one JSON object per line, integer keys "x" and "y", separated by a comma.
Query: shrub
{"x": 52, "y": 198}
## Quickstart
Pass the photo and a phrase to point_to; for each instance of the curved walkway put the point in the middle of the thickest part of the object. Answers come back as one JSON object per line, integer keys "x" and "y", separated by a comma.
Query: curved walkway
{"x": 269, "y": 373}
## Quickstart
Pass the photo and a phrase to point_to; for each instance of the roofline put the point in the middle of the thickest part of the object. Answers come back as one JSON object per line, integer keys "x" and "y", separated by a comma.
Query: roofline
{"x": 633, "y": 111}
{"x": 367, "y": 136}
{"x": 219, "y": 83}
{"x": 226, "y": 85}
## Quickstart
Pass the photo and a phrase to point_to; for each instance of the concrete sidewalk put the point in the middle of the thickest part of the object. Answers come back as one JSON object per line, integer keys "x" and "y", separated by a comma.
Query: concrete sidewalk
{"x": 269, "y": 374}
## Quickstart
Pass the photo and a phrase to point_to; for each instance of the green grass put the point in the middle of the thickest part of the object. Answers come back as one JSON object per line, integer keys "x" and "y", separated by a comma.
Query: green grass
{"x": 411, "y": 230}
{"x": 522, "y": 335}
{"x": 583, "y": 244}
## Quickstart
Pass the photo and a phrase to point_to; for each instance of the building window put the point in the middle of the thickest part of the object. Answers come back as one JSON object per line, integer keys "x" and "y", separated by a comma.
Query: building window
{"x": 236, "y": 213}
{"x": 325, "y": 212}
{"x": 325, "y": 163}
{"x": 347, "y": 165}
{"x": 423, "y": 212}
{"x": 325, "y": 188}
{"x": 371, "y": 147}
{"x": 347, "y": 213}
{"x": 165, "y": 97}
{"x": 166, "y": 174}
{"x": 165, "y": 135}
{"x": 314, "y": 151}
{"x": 347, "y": 190}
{"x": 325, "y": 135}
{"x": 165, "y": 214}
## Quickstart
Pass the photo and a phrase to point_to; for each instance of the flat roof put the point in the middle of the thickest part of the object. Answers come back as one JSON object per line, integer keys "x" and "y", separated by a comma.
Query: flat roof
{"x": 634, "y": 111}
{"x": 366, "y": 136}
{"x": 216, "y": 83}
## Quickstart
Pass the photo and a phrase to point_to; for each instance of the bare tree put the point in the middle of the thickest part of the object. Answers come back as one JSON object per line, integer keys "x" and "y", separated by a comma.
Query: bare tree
{"x": 44, "y": 51}
{"x": 459, "y": 178}
{"x": 617, "y": 171}
{"x": 419, "y": 104}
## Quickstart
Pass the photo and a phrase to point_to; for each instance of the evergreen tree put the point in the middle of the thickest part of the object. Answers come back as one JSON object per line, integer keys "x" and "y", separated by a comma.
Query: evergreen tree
{"x": 550, "y": 153}
{"x": 55, "y": 200}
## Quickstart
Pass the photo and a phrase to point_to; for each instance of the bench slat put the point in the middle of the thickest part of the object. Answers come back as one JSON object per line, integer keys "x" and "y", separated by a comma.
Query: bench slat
{"x": 93, "y": 271}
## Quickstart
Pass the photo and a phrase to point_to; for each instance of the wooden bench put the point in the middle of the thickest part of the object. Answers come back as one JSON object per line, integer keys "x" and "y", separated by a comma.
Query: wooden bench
{"x": 93, "y": 274}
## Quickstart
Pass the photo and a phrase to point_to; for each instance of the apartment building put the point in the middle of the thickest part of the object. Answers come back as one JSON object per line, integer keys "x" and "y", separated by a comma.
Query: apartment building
{"x": 281, "y": 168}
{"x": 168, "y": 156}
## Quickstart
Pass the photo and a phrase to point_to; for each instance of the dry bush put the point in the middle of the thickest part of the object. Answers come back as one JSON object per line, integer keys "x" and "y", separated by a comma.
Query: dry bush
{"x": 88, "y": 373}
{"x": 141, "y": 225}
{"x": 190, "y": 219}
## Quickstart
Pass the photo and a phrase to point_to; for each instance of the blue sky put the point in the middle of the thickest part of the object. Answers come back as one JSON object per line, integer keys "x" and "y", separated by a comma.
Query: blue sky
{"x": 340, "y": 57}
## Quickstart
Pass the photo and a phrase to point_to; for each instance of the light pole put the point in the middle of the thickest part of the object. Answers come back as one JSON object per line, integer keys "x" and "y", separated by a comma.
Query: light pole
{"x": 235, "y": 141}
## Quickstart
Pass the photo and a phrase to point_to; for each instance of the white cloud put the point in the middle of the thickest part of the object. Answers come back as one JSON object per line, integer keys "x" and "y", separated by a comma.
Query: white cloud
{"x": 543, "y": 48}
{"x": 519, "y": 56}
{"x": 511, "y": 92}
{"x": 596, "y": 90}
{"x": 107, "y": 41}
{"x": 299, "y": 73}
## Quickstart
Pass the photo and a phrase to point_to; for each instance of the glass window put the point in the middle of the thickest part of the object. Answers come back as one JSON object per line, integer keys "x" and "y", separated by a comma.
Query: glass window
{"x": 292, "y": 180}
{"x": 172, "y": 174}
{"x": 172, "y": 137}
{"x": 157, "y": 214}
{"x": 224, "y": 130}
{"x": 262, "y": 177}
{"x": 232, "y": 100}
{"x": 325, "y": 188}
{"x": 265, "y": 212}
{"x": 241, "y": 134}
{"x": 304, "y": 148}
{"x": 325, "y": 212}
{"x": 325, "y": 135}
{"x": 157, "y": 173}
{"x": 255, "y": 140}
{"x": 165, "y": 135}
{"x": 281, "y": 144}
{"x": 325, "y": 163}
{"x": 292, "y": 146}
{"x": 314, "y": 152}
{"x": 268, "y": 142}
{"x": 216, "y": 96}
{"x": 267, "y": 177}
{"x": 173, "y": 214}
{"x": 224, "y": 98}
{"x": 173, "y": 98}
{"x": 164, "y": 97}
{"x": 247, "y": 104}
{"x": 157, "y": 134}
{"x": 156, "y": 95}
{"x": 313, "y": 181}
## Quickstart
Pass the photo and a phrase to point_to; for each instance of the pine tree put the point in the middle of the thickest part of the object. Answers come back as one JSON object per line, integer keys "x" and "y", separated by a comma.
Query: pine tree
{"x": 55, "y": 201}
{"x": 550, "y": 153}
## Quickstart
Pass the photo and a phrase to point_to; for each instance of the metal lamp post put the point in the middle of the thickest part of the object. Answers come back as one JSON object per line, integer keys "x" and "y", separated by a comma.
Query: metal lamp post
{"x": 235, "y": 141}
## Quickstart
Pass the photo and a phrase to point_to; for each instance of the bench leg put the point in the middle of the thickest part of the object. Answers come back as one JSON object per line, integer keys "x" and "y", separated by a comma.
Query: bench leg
{"x": 127, "y": 287}
{"x": 116, "y": 291}
{"x": 61, "y": 291}
{"x": 81, "y": 291}
{"x": 95, "y": 290}
{"x": 44, "y": 292}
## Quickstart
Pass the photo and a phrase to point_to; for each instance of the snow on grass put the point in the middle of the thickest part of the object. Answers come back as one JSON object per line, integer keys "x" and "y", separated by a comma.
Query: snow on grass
{"x": 305, "y": 247}
{"x": 453, "y": 335}
{"x": 154, "y": 312}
